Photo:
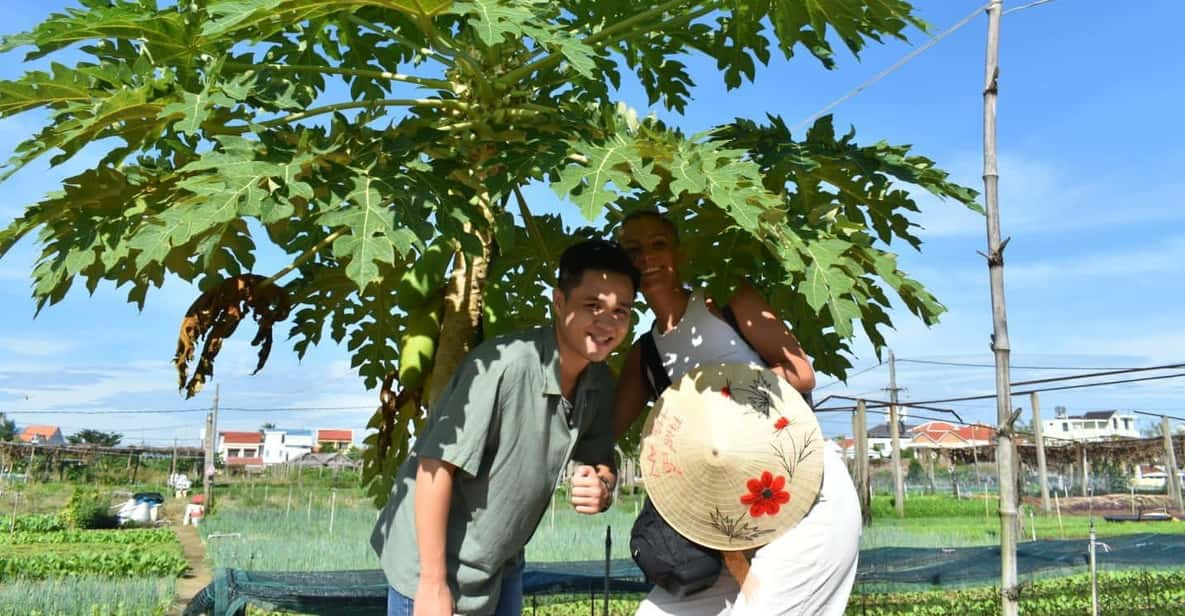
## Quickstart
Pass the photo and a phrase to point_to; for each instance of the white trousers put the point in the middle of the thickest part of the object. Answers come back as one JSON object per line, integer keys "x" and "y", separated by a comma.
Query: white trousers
{"x": 808, "y": 570}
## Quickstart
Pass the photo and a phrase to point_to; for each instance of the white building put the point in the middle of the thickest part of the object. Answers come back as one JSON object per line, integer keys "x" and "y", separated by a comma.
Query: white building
{"x": 880, "y": 439}
{"x": 282, "y": 446}
{"x": 1092, "y": 426}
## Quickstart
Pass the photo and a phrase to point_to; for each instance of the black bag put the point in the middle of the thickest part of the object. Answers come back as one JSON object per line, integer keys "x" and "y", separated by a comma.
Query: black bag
{"x": 670, "y": 560}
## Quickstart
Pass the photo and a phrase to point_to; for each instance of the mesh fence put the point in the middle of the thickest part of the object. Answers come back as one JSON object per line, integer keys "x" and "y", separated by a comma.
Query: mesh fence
{"x": 365, "y": 592}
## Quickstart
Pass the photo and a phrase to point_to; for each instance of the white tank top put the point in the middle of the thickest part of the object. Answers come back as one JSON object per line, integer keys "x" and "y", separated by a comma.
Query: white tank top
{"x": 700, "y": 337}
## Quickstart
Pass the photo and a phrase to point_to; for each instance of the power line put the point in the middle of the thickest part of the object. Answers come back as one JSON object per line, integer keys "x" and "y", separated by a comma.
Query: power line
{"x": 854, "y": 374}
{"x": 1031, "y": 391}
{"x": 176, "y": 411}
{"x": 885, "y": 73}
{"x": 1097, "y": 374}
{"x": 1158, "y": 415}
{"x": 1027, "y": 6}
{"x": 977, "y": 365}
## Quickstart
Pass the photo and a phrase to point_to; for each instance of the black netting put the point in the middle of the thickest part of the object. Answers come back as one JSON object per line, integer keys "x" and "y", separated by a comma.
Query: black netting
{"x": 365, "y": 592}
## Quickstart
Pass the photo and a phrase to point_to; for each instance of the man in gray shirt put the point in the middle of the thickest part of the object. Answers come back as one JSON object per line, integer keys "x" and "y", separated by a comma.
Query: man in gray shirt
{"x": 481, "y": 473}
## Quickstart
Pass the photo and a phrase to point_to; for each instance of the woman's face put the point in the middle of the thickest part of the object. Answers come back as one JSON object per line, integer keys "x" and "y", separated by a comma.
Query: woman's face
{"x": 654, "y": 249}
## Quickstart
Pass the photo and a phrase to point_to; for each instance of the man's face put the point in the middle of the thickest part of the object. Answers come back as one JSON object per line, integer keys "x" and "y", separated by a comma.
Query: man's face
{"x": 593, "y": 318}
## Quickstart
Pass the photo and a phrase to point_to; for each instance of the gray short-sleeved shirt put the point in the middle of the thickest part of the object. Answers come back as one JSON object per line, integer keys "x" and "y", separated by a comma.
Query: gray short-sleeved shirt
{"x": 504, "y": 423}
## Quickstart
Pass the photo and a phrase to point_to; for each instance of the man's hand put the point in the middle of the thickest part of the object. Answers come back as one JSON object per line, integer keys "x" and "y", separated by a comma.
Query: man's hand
{"x": 590, "y": 493}
{"x": 433, "y": 598}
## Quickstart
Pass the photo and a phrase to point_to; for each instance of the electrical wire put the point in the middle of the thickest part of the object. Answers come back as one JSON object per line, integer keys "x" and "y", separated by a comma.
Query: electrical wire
{"x": 959, "y": 364}
{"x": 885, "y": 73}
{"x": 231, "y": 409}
{"x": 1027, "y": 6}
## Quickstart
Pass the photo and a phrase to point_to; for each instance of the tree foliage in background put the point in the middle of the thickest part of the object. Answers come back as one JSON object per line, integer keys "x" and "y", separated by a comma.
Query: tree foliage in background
{"x": 383, "y": 146}
{"x": 7, "y": 429}
{"x": 95, "y": 437}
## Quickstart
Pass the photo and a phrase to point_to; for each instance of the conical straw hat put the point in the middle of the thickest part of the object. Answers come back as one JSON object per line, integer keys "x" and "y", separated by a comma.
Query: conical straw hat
{"x": 732, "y": 456}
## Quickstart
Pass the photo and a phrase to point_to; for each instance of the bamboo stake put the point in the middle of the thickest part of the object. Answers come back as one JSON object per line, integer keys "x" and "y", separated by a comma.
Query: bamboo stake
{"x": 1009, "y": 605}
{"x": 288, "y": 509}
{"x": 860, "y": 434}
{"x": 1042, "y": 473}
{"x": 895, "y": 437}
{"x": 1058, "y": 505}
{"x": 1171, "y": 478}
{"x": 1094, "y": 576}
{"x": 332, "y": 510}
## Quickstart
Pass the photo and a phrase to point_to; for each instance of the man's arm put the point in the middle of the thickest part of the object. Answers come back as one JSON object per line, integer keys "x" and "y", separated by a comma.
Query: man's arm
{"x": 592, "y": 488}
{"x": 631, "y": 395}
{"x": 434, "y": 485}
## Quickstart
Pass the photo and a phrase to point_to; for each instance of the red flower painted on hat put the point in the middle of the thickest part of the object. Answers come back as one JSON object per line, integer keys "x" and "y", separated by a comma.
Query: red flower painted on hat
{"x": 781, "y": 424}
{"x": 766, "y": 495}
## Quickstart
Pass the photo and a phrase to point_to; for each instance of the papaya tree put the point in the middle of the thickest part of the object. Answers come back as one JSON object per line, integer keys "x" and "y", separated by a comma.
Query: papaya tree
{"x": 384, "y": 145}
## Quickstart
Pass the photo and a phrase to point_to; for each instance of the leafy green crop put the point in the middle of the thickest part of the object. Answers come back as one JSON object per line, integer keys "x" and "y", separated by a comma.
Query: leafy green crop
{"x": 39, "y": 523}
{"x": 1128, "y": 592}
{"x": 124, "y": 537}
{"x": 128, "y": 564}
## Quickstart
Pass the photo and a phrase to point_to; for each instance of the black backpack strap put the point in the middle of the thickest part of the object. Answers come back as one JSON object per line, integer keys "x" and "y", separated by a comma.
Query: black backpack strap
{"x": 730, "y": 317}
{"x": 656, "y": 374}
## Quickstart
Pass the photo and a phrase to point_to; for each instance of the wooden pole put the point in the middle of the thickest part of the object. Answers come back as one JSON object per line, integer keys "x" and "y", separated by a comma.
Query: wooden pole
{"x": 213, "y": 459}
{"x": 898, "y": 477}
{"x": 1042, "y": 474}
{"x": 1171, "y": 478}
{"x": 208, "y": 464}
{"x": 332, "y": 510}
{"x": 930, "y": 455}
{"x": 895, "y": 438}
{"x": 860, "y": 435}
{"x": 1094, "y": 576}
{"x": 1010, "y": 600}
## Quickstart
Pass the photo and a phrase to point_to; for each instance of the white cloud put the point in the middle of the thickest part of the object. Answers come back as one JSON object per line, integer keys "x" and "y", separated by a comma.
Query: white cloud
{"x": 1039, "y": 196}
{"x": 36, "y": 346}
{"x": 1164, "y": 257}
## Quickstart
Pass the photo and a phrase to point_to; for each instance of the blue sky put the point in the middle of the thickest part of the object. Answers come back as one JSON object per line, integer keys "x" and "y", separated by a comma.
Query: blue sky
{"x": 1091, "y": 147}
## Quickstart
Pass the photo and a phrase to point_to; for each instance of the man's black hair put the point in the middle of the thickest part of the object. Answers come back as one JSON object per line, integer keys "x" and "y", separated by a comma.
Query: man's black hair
{"x": 655, "y": 214}
{"x": 601, "y": 255}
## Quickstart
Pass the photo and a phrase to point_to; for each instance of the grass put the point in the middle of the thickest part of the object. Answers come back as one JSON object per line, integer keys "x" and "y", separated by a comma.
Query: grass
{"x": 279, "y": 539}
{"x": 87, "y": 595}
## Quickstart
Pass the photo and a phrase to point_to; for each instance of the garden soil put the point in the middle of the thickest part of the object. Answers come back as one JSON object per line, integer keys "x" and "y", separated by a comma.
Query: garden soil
{"x": 198, "y": 576}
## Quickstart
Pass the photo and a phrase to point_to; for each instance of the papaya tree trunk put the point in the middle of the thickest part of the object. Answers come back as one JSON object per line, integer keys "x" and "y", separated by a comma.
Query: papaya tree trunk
{"x": 462, "y": 313}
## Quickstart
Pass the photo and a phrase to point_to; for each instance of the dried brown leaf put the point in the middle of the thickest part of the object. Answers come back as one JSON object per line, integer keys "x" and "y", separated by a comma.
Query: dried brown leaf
{"x": 215, "y": 315}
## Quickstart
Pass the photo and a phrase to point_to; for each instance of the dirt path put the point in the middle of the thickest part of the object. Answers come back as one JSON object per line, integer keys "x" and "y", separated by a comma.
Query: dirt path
{"x": 199, "y": 575}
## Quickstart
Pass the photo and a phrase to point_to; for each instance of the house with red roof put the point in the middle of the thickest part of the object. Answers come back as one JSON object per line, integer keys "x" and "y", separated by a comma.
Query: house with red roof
{"x": 946, "y": 435}
{"x": 241, "y": 449}
{"x": 334, "y": 439}
{"x": 43, "y": 435}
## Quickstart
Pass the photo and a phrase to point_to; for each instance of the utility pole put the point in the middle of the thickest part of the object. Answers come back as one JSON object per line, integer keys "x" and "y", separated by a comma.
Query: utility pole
{"x": 208, "y": 462}
{"x": 1171, "y": 478}
{"x": 1042, "y": 476}
{"x": 895, "y": 435}
{"x": 1009, "y": 593}
{"x": 860, "y": 435}
{"x": 211, "y": 444}
{"x": 173, "y": 463}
